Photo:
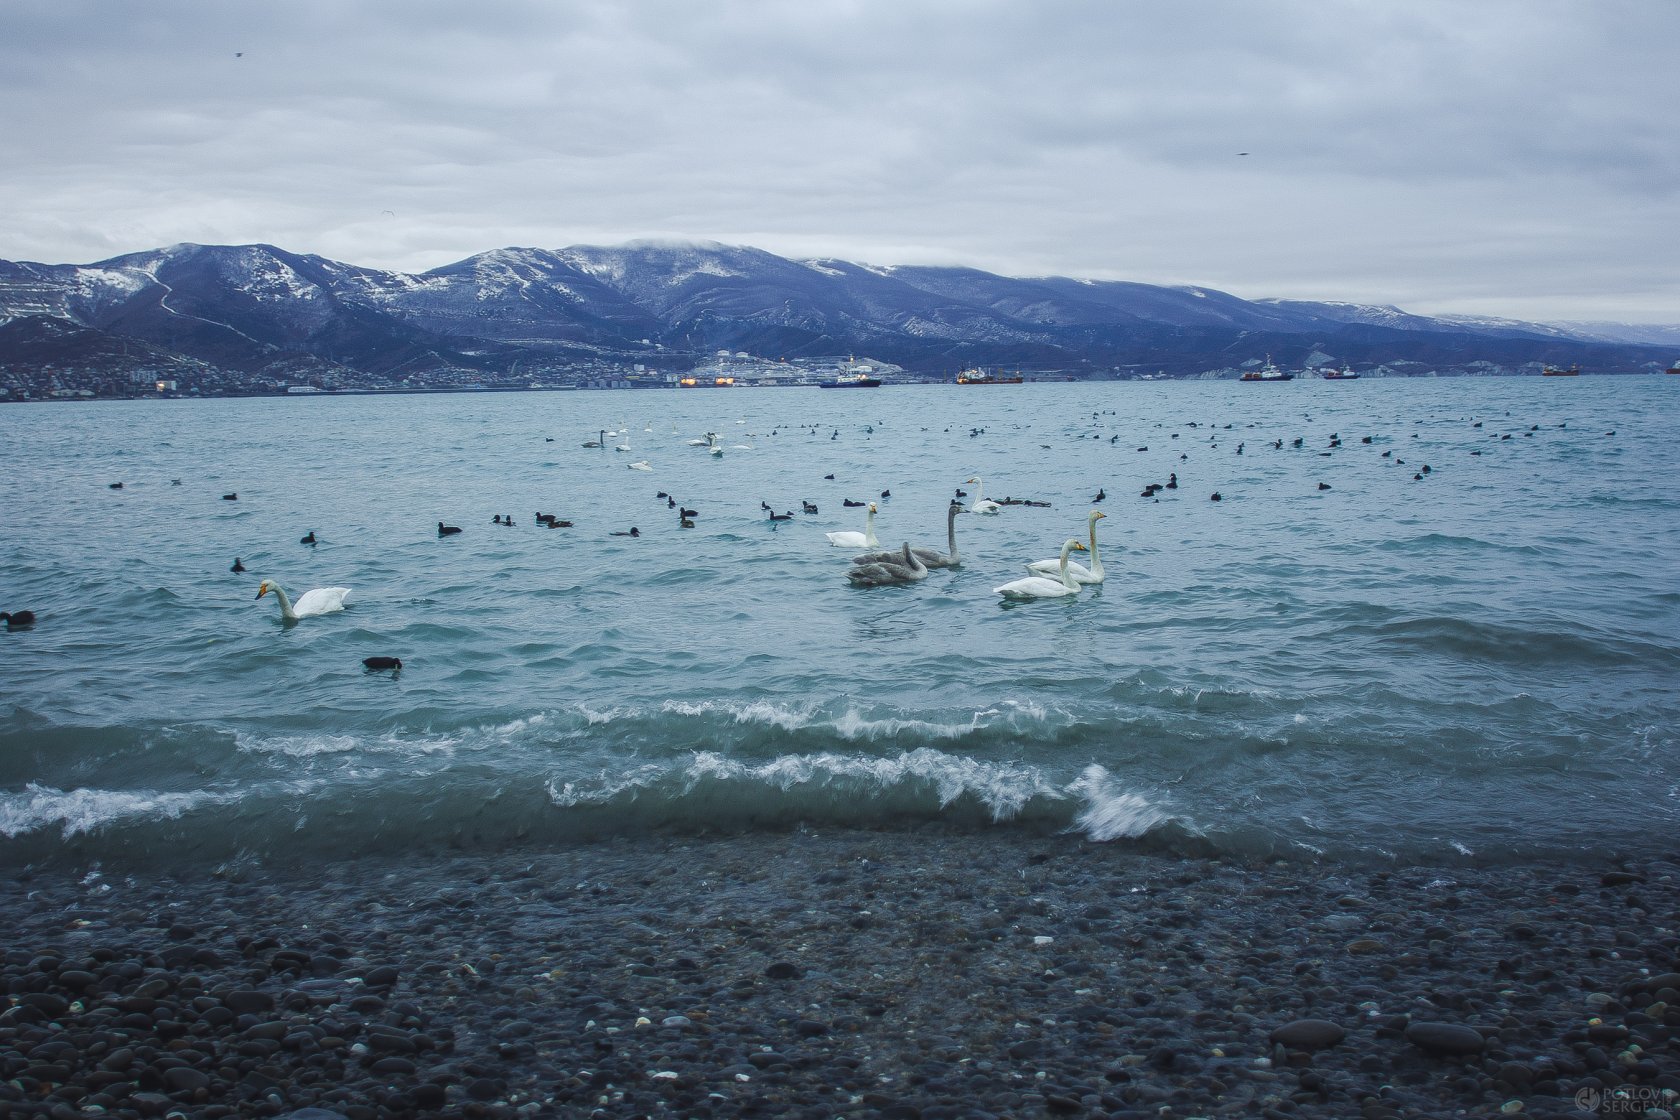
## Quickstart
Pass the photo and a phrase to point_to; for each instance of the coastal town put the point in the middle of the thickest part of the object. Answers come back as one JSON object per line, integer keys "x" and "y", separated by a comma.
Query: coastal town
{"x": 178, "y": 378}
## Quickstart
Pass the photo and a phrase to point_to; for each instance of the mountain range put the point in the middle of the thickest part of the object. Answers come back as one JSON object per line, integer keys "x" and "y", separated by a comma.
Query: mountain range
{"x": 256, "y": 311}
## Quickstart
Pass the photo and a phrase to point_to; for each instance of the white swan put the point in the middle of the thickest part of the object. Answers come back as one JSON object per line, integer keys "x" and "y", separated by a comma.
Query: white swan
{"x": 905, "y": 567}
{"x": 641, "y": 465}
{"x": 865, "y": 539}
{"x": 1079, "y": 572}
{"x": 714, "y": 447}
{"x": 927, "y": 556}
{"x": 322, "y": 600}
{"x": 1042, "y": 587}
{"x": 982, "y": 504}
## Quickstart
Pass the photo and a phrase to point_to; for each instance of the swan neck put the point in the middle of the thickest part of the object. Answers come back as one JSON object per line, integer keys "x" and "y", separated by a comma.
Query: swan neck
{"x": 286, "y": 610}
{"x": 951, "y": 531}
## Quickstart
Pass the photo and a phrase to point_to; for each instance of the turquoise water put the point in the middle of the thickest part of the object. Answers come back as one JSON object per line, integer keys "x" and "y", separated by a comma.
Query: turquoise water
{"x": 1478, "y": 664}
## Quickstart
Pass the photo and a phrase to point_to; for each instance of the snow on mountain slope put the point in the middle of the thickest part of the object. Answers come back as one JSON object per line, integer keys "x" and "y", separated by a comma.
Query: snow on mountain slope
{"x": 244, "y": 304}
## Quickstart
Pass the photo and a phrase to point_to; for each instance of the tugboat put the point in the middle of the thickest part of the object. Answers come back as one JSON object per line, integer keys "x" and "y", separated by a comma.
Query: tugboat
{"x": 1267, "y": 372}
{"x": 1343, "y": 374}
{"x": 1675, "y": 368}
{"x": 978, "y": 376}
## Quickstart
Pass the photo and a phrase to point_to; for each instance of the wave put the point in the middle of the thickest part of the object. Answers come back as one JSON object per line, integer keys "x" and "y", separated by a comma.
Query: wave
{"x": 924, "y": 775}
{"x": 81, "y": 811}
{"x": 1539, "y": 643}
{"x": 1201, "y": 765}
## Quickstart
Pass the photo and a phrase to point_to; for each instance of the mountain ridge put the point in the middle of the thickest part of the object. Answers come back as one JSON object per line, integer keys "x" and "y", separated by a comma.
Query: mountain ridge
{"x": 259, "y": 313}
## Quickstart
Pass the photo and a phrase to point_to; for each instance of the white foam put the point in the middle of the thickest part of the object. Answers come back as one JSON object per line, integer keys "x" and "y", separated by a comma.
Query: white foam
{"x": 312, "y": 746}
{"x": 606, "y": 786}
{"x": 85, "y": 810}
{"x": 758, "y": 711}
{"x": 595, "y": 718}
{"x": 299, "y": 746}
{"x": 1110, "y": 812}
{"x": 854, "y": 725}
{"x": 1003, "y": 787}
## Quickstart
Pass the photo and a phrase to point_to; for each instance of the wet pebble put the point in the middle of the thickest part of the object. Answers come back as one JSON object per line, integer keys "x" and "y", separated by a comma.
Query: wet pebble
{"x": 1068, "y": 978}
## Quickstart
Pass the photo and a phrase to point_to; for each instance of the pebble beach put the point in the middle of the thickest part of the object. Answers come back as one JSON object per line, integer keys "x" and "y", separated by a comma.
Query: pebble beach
{"x": 926, "y": 972}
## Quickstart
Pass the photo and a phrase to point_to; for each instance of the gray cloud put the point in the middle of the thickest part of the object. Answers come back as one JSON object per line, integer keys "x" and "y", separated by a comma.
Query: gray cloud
{"x": 1508, "y": 157}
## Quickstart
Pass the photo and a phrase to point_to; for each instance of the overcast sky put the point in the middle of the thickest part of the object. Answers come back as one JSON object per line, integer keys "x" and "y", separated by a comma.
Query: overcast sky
{"x": 1502, "y": 157}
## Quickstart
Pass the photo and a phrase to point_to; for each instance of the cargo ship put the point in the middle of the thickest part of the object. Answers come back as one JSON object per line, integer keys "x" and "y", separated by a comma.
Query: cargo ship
{"x": 1555, "y": 371}
{"x": 706, "y": 383}
{"x": 979, "y": 376}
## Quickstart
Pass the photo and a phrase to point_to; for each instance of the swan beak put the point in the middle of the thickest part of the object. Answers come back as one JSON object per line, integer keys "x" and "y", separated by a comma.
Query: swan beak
{"x": 1080, "y": 548}
{"x": 1101, "y": 515}
{"x": 261, "y": 591}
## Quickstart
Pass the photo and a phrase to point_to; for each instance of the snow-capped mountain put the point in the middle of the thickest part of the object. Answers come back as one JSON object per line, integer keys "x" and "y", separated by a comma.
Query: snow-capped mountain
{"x": 254, "y": 307}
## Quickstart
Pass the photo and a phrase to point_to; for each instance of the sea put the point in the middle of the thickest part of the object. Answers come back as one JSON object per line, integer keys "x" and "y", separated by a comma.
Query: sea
{"x": 1426, "y": 621}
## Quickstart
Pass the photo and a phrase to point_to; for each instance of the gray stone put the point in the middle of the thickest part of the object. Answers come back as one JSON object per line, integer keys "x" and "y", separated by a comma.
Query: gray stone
{"x": 1308, "y": 1034}
{"x": 244, "y": 1000}
{"x": 1445, "y": 1038}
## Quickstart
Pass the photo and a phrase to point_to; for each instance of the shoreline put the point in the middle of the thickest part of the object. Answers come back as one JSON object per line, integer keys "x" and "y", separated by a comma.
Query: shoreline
{"x": 918, "y": 973}
{"x": 479, "y": 390}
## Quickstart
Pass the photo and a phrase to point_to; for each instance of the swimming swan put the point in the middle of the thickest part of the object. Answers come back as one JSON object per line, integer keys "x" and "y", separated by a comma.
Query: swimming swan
{"x": 927, "y": 556}
{"x": 981, "y": 504}
{"x": 322, "y": 600}
{"x": 865, "y": 539}
{"x": 1041, "y": 587}
{"x": 1079, "y": 572}
{"x": 903, "y": 568}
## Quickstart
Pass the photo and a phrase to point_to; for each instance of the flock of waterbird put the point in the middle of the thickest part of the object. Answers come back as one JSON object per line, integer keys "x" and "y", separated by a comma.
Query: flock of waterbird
{"x": 1058, "y": 577}
{"x": 1053, "y": 578}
